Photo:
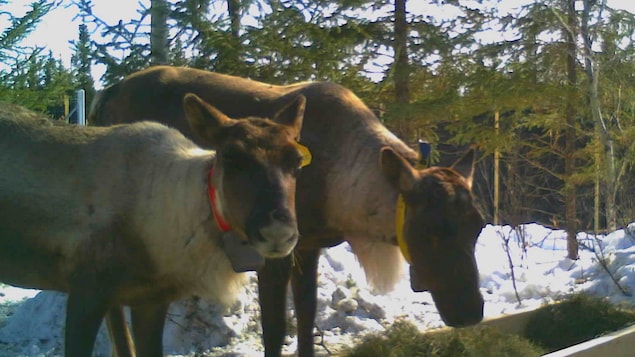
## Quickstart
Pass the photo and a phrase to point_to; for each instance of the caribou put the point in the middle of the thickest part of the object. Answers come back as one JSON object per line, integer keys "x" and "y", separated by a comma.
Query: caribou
{"x": 138, "y": 215}
{"x": 363, "y": 187}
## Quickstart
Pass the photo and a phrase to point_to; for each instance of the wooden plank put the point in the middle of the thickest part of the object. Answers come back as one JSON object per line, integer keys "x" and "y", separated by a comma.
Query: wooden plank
{"x": 616, "y": 344}
{"x": 513, "y": 323}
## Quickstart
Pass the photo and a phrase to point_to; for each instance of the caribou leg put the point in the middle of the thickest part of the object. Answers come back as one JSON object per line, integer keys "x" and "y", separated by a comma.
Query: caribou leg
{"x": 273, "y": 280}
{"x": 85, "y": 311}
{"x": 147, "y": 328}
{"x": 121, "y": 344}
{"x": 304, "y": 283}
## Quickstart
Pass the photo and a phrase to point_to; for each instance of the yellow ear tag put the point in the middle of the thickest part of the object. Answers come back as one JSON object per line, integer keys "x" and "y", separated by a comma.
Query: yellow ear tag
{"x": 306, "y": 154}
{"x": 400, "y": 217}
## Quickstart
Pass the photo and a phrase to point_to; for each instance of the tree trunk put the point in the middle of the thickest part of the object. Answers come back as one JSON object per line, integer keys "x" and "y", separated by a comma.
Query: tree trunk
{"x": 592, "y": 69}
{"x": 230, "y": 50}
{"x": 233, "y": 9}
{"x": 401, "y": 66}
{"x": 570, "y": 136}
{"x": 497, "y": 156}
{"x": 159, "y": 32}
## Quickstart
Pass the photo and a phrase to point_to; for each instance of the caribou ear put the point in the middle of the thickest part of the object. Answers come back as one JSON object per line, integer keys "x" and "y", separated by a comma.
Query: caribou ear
{"x": 465, "y": 166}
{"x": 204, "y": 119}
{"x": 397, "y": 170}
{"x": 292, "y": 114}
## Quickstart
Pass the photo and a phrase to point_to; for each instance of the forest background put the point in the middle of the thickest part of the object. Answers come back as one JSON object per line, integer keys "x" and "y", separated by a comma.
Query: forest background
{"x": 545, "y": 91}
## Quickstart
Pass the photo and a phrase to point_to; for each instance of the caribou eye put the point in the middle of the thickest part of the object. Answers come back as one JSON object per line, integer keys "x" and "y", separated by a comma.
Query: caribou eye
{"x": 234, "y": 158}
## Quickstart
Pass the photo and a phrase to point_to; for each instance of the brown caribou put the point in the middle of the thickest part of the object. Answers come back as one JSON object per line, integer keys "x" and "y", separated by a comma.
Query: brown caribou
{"x": 349, "y": 193}
{"x": 122, "y": 215}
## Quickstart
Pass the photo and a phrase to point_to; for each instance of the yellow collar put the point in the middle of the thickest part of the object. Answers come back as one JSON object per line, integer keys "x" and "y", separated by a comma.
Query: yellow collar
{"x": 400, "y": 216}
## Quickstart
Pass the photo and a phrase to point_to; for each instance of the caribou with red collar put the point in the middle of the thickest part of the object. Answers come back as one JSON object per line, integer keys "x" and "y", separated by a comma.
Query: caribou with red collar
{"x": 120, "y": 216}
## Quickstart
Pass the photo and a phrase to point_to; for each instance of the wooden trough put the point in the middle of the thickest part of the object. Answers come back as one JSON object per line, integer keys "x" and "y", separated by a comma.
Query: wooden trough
{"x": 620, "y": 343}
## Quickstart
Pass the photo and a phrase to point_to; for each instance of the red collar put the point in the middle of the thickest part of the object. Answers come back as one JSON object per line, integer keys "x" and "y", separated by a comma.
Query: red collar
{"x": 223, "y": 225}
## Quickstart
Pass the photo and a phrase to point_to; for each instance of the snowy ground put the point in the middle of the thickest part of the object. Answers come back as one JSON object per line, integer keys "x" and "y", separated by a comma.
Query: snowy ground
{"x": 31, "y": 322}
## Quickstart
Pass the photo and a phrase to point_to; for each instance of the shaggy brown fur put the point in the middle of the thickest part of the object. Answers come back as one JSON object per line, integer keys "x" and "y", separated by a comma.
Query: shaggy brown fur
{"x": 348, "y": 193}
{"x": 121, "y": 216}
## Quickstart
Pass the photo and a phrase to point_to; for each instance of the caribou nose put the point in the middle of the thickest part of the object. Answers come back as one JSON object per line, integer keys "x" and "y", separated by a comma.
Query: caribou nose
{"x": 281, "y": 215}
{"x": 277, "y": 239}
{"x": 278, "y": 231}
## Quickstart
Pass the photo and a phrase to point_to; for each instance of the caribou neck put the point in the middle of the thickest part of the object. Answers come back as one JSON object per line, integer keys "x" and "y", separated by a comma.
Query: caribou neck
{"x": 367, "y": 209}
{"x": 363, "y": 204}
{"x": 177, "y": 201}
{"x": 178, "y": 213}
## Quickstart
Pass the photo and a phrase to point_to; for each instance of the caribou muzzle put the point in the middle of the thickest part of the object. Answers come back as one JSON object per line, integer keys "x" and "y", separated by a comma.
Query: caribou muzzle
{"x": 277, "y": 237}
{"x": 460, "y": 304}
{"x": 459, "y": 308}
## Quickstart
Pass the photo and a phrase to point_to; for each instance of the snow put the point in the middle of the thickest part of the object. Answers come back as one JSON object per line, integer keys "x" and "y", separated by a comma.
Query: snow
{"x": 31, "y": 322}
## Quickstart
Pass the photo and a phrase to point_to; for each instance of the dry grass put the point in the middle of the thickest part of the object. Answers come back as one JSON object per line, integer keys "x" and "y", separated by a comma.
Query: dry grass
{"x": 574, "y": 320}
{"x": 404, "y": 340}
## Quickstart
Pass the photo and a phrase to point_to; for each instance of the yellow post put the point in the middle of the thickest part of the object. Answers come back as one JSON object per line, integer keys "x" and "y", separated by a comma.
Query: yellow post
{"x": 67, "y": 107}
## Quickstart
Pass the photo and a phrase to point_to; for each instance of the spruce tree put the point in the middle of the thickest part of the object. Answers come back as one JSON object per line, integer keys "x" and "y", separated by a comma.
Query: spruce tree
{"x": 81, "y": 64}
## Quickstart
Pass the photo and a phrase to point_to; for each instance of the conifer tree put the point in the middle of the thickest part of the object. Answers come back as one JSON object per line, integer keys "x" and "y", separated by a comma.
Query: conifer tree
{"x": 81, "y": 63}
{"x": 13, "y": 54}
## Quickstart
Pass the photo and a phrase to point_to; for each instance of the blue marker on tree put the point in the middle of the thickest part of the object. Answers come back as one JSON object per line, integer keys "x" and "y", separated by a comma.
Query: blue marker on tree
{"x": 425, "y": 148}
